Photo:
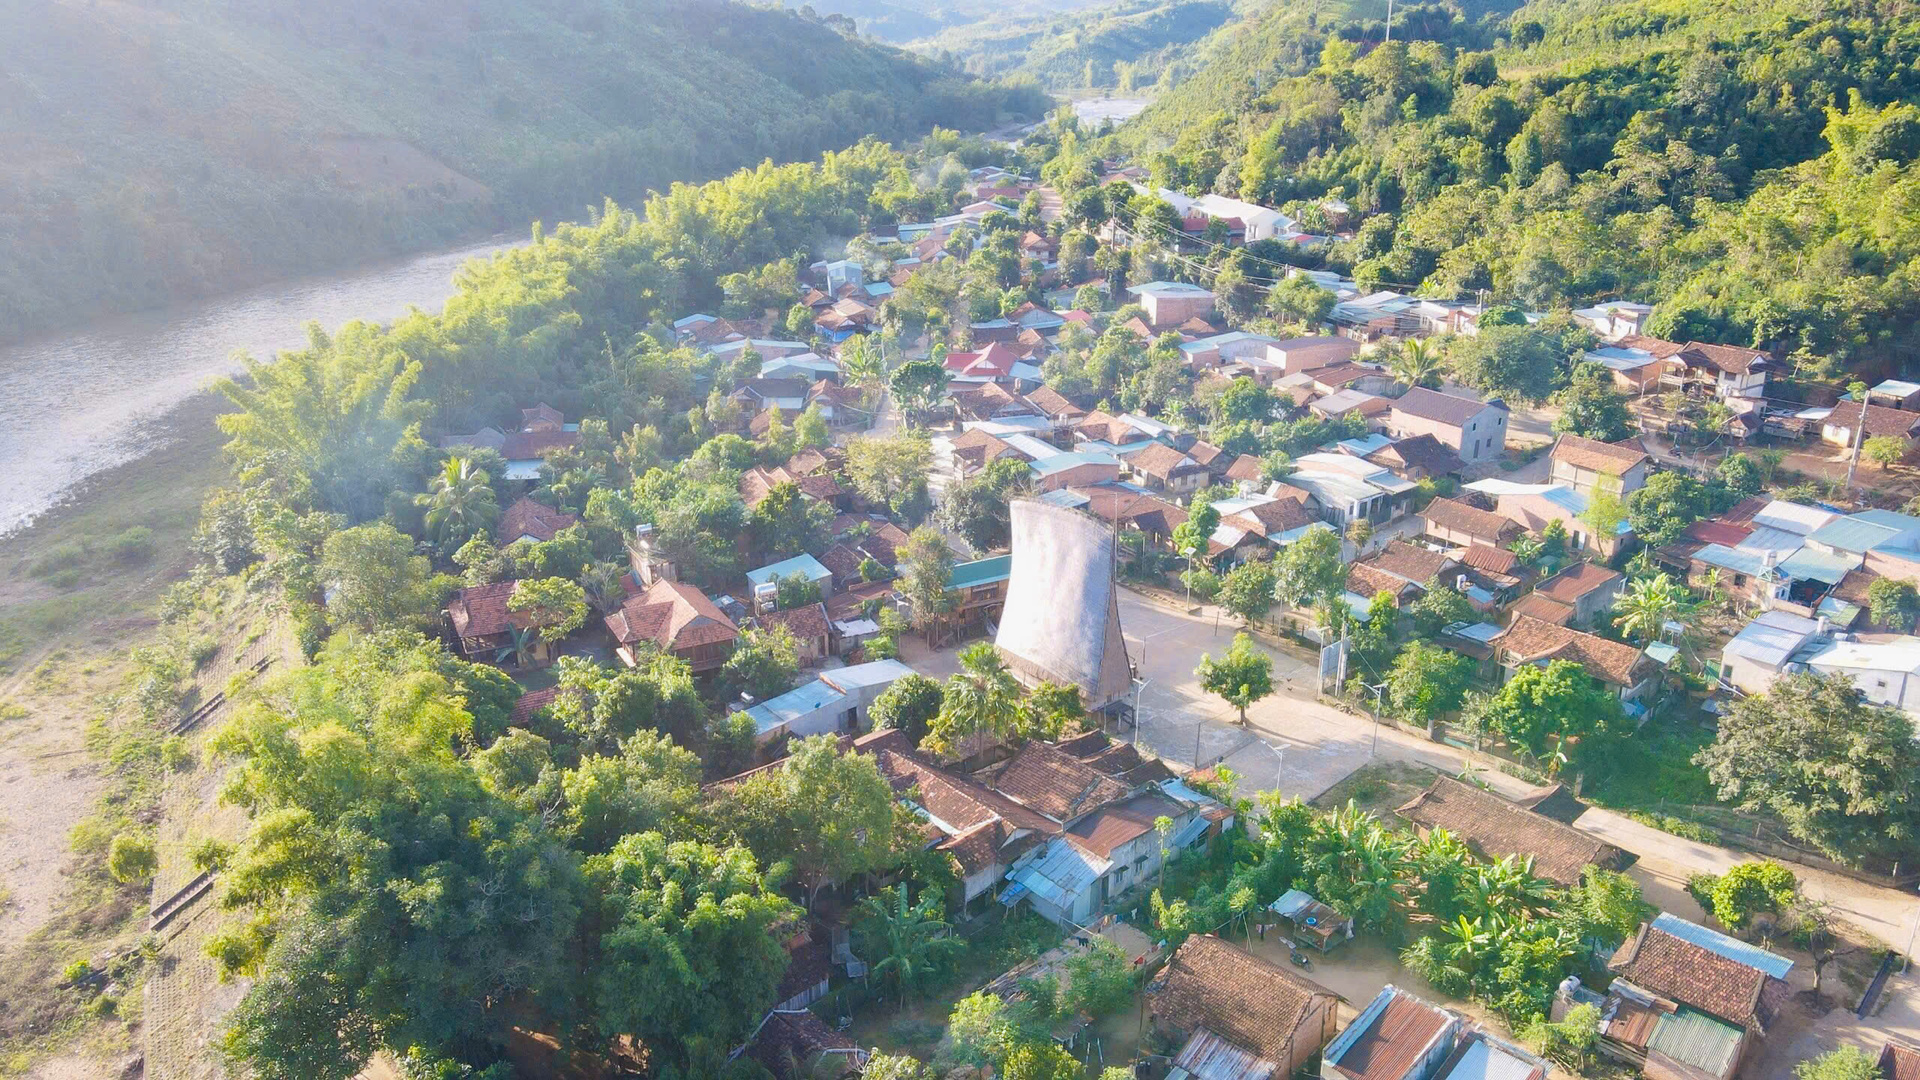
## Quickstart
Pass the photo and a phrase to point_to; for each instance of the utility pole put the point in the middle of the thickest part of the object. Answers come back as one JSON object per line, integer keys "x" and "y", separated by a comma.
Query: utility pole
{"x": 1859, "y": 390}
{"x": 1389, "y": 22}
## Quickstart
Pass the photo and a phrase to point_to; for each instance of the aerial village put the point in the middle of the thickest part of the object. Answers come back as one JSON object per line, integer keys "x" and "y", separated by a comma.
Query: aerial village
{"x": 1279, "y": 705}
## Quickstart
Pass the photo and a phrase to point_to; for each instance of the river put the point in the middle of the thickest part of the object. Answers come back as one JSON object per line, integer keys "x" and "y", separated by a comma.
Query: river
{"x": 86, "y": 402}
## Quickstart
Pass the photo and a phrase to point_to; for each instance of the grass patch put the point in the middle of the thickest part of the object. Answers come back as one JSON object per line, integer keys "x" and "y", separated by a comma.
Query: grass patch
{"x": 1379, "y": 788}
{"x": 1653, "y": 770}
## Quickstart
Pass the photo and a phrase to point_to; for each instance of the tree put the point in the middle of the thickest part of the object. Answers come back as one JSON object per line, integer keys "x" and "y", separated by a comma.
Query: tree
{"x": 1052, "y": 711}
{"x": 1517, "y": 362}
{"x": 684, "y": 944}
{"x": 1752, "y": 888}
{"x": 552, "y": 607}
{"x": 1416, "y": 362}
{"x": 904, "y": 944}
{"x": 1244, "y": 401}
{"x": 926, "y": 569}
{"x": 650, "y": 785}
{"x": 1301, "y": 299}
{"x": 1241, "y": 677}
{"x": 1740, "y": 475}
{"x": 1041, "y": 1061}
{"x": 1309, "y": 570}
{"x": 795, "y": 590}
{"x": 1247, "y": 590}
{"x": 918, "y": 384}
{"x": 1884, "y": 450}
{"x": 830, "y": 814}
{"x": 1837, "y": 770}
{"x": 978, "y": 1028}
{"x": 891, "y": 471}
{"x": 1542, "y": 709}
{"x": 1648, "y": 605}
{"x": 1100, "y": 979}
{"x": 1426, "y": 681}
{"x": 1438, "y": 608}
{"x": 908, "y": 706}
{"x": 459, "y": 503}
{"x": 1190, "y": 537}
{"x": 1893, "y": 603}
{"x": 374, "y": 580}
{"x": 787, "y": 523}
{"x": 895, "y": 1067}
{"x": 1664, "y": 508}
{"x": 1848, "y": 1062}
{"x": 1590, "y": 407}
{"x": 981, "y": 700}
{"x": 131, "y": 859}
{"x": 1603, "y": 515}
{"x": 762, "y": 665}
{"x": 978, "y": 507}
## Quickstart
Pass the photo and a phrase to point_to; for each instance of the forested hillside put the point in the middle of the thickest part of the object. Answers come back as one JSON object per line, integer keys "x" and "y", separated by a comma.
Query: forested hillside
{"x": 162, "y": 150}
{"x": 1751, "y": 170}
{"x": 1128, "y": 45}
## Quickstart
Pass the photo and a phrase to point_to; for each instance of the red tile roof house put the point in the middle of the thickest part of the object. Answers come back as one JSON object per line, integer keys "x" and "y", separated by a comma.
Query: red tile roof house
{"x": 1474, "y": 430}
{"x": 1162, "y": 468}
{"x": 486, "y": 628}
{"x": 678, "y": 619}
{"x": 1236, "y": 1015}
{"x": 1498, "y": 828}
{"x": 1690, "y": 1003}
{"x": 1589, "y": 465}
{"x": 1621, "y": 668}
{"x": 1579, "y": 595}
{"x": 1838, "y": 427}
{"x": 1402, "y": 570}
{"x": 812, "y": 633}
{"x": 529, "y": 520}
{"x": 1464, "y": 524}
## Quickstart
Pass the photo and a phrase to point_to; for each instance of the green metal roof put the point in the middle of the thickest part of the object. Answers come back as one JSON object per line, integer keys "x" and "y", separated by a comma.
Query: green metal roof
{"x": 1696, "y": 1039}
{"x": 980, "y": 572}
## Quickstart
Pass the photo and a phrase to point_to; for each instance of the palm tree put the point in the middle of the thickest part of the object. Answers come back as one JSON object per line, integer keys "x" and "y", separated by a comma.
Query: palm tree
{"x": 982, "y": 698}
{"x": 911, "y": 940}
{"x": 862, "y": 362}
{"x": 1648, "y": 605}
{"x": 459, "y": 502}
{"x": 1417, "y": 363}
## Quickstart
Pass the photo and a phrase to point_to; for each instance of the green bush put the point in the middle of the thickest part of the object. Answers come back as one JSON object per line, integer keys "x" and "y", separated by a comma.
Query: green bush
{"x": 131, "y": 858}
{"x": 135, "y": 545}
{"x": 67, "y": 556}
{"x": 1750, "y": 889}
{"x": 77, "y": 972}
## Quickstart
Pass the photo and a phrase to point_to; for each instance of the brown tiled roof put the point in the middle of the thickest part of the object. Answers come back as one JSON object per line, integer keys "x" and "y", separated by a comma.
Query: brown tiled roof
{"x": 528, "y": 518}
{"x": 1276, "y": 518}
{"x": 1899, "y": 1061}
{"x": 541, "y": 417}
{"x": 758, "y": 482}
{"x": 1054, "y": 783}
{"x": 1576, "y": 581}
{"x": 1535, "y": 606}
{"x": 1449, "y": 409}
{"x": 806, "y": 622}
{"x": 1456, "y": 516}
{"x": 1410, "y": 562}
{"x": 1244, "y": 467}
{"x": 1052, "y": 402}
{"x": 1692, "y": 975}
{"x": 957, "y": 801}
{"x": 530, "y": 703}
{"x": 1853, "y": 587}
{"x": 1204, "y": 452}
{"x": 1498, "y": 828}
{"x": 842, "y": 397}
{"x": 1658, "y": 348}
{"x": 1419, "y": 452}
{"x": 1718, "y": 531}
{"x": 1149, "y": 513}
{"x": 527, "y": 445}
{"x": 1104, "y": 426}
{"x": 1880, "y": 419}
{"x": 1116, "y": 759}
{"x": 1596, "y": 456}
{"x": 481, "y": 611}
{"x": 1394, "y": 1041}
{"x": 884, "y": 542}
{"x": 1732, "y": 359}
{"x": 1368, "y": 581}
{"x": 978, "y": 448}
{"x": 807, "y": 462}
{"x": 1491, "y": 559}
{"x": 1161, "y": 461}
{"x": 672, "y": 615}
{"x": 1109, "y": 827}
{"x": 790, "y": 1041}
{"x": 842, "y": 562}
{"x": 1341, "y": 376}
{"x": 807, "y": 966}
{"x": 1532, "y": 640}
{"x": 1245, "y": 1000}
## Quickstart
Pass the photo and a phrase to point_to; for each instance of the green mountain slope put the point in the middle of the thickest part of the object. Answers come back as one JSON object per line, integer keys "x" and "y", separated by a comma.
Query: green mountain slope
{"x": 1126, "y": 45}
{"x": 162, "y": 149}
{"x": 1709, "y": 158}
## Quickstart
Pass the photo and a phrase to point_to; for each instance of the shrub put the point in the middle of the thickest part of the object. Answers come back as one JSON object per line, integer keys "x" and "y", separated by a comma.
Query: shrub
{"x": 59, "y": 557}
{"x": 1750, "y": 889}
{"x": 135, "y": 545}
{"x": 131, "y": 858}
{"x": 76, "y": 973}
{"x": 175, "y": 754}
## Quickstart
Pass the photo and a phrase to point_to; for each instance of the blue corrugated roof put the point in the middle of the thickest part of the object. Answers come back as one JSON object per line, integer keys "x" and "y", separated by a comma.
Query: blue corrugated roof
{"x": 1732, "y": 948}
{"x": 794, "y": 703}
{"x": 1062, "y": 462}
{"x": 799, "y": 564}
{"x": 1808, "y": 564}
{"x": 1853, "y": 534}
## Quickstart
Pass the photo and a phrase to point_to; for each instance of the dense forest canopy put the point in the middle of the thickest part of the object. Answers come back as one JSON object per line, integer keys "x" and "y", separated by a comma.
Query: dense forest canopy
{"x": 158, "y": 151}
{"x": 1125, "y": 46}
{"x": 1749, "y": 170}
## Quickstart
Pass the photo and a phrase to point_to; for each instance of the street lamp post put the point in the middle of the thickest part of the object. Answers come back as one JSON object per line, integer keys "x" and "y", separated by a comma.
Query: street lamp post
{"x": 1379, "y": 702}
{"x": 1277, "y": 765}
{"x": 1138, "y": 685}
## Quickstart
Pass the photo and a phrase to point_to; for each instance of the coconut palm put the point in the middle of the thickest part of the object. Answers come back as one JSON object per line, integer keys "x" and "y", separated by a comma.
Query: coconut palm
{"x": 1417, "y": 363}
{"x": 459, "y": 503}
{"x": 1648, "y": 605}
{"x": 905, "y": 942}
